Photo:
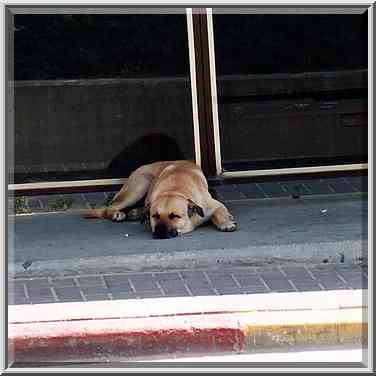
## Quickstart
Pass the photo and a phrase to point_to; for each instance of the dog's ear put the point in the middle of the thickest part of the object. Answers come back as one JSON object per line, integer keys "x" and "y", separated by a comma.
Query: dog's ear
{"x": 145, "y": 214}
{"x": 194, "y": 208}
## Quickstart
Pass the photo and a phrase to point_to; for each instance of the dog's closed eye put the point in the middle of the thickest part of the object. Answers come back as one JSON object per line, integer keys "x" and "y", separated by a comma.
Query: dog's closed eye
{"x": 173, "y": 215}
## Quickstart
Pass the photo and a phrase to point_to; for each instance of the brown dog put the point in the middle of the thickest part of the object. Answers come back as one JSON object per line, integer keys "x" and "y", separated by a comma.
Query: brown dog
{"x": 177, "y": 200}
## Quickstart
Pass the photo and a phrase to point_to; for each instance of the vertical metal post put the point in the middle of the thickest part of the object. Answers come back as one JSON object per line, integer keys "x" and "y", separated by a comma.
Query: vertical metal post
{"x": 204, "y": 95}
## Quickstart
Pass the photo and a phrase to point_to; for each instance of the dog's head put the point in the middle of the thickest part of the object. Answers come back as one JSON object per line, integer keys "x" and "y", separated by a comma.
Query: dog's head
{"x": 171, "y": 215}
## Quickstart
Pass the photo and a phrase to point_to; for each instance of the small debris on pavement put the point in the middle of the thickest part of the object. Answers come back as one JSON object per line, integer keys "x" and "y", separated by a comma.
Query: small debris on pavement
{"x": 26, "y": 264}
{"x": 324, "y": 210}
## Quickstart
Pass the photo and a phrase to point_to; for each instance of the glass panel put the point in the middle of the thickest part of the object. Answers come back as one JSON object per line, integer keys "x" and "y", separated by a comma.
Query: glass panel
{"x": 292, "y": 89}
{"x": 98, "y": 95}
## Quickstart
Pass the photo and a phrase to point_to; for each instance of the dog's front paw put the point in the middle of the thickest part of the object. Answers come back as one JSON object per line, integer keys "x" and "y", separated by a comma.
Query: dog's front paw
{"x": 227, "y": 226}
{"x": 119, "y": 216}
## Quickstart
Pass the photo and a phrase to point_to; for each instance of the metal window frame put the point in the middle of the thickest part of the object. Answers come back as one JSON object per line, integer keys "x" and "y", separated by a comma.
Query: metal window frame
{"x": 216, "y": 131}
{"x": 112, "y": 183}
{"x": 206, "y": 129}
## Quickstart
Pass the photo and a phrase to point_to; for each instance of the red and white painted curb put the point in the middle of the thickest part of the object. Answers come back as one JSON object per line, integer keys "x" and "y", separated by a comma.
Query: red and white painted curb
{"x": 128, "y": 329}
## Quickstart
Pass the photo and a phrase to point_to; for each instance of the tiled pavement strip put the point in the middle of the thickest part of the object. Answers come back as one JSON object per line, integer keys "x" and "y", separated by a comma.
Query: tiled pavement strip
{"x": 264, "y": 190}
{"x": 237, "y": 280}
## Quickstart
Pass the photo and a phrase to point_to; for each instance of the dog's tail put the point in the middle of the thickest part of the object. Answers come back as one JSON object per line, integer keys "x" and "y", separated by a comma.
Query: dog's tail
{"x": 95, "y": 213}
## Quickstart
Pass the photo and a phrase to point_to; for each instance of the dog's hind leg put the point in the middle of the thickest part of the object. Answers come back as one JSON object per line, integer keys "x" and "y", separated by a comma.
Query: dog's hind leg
{"x": 135, "y": 188}
{"x": 132, "y": 191}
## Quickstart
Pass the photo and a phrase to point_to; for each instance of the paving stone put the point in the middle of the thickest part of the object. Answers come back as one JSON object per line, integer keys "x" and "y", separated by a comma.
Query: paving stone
{"x": 120, "y": 288}
{"x": 139, "y": 277}
{"x": 172, "y": 285}
{"x": 229, "y": 192}
{"x": 170, "y": 291}
{"x": 94, "y": 290}
{"x": 71, "y": 299}
{"x": 273, "y": 189}
{"x": 328, "y": 278}
{"x": 123, "y": 295}
{"x": 340, "y": 185}
{"x": 96, "y": 297}
{"x": 352, "y": 276}
{"x": 37, "y": 283}
{"x": 114, "y": 280}
{"x": 42, "y": 292}
{"x": 20, "y": 300}
{"x": 192, "y": 274}
{"x": 251, "y": 190}
{"x": 359, "y": 183}
{"x": 322, "y": 273}
{"x": 90, "y": 281}
{"x": 224, "y": 280}
{"x": 271, "y": 274}
{"x": 149, "y": 294}
{"x": 276, "y": 284}
{"x": 41, "y": 300}
{"x": 171, "y": 294}
{"x": 66, "y": 293}
{"x": 296, "y": 273}
{"x": 303, "y": 286}
{"x": 63, "y": 282}
{"x": 295, "y": 187}
{"x": 146, "y": 285}
{"x": 12, "y": 298}
{"x": 333, "y": 285}
{"x": 349, "y": 268}
{"x": 201, "y": 291}
{"x": 318, "y": 186}
{"x": 305, "y": 283}
{"x": 255, "y": 289}
{"x": 357, "y": 283}
{"x": 228, "y": 290}
{"x": 166, "y": 276}
{"x": 197, "y": 283}
{"x": 248, "y": 280}
{"x": 16, "y": 288}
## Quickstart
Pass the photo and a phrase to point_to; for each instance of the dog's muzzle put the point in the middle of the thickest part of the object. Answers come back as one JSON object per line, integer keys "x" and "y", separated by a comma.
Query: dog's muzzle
{"x": 162, "y": 231}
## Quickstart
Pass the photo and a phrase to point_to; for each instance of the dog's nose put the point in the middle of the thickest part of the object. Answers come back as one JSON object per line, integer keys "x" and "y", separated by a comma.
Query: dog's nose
{"x": 163, "y": 232}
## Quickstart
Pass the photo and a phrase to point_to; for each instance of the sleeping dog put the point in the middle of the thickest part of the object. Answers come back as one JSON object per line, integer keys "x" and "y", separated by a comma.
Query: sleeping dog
{"x": 177, "y": 200}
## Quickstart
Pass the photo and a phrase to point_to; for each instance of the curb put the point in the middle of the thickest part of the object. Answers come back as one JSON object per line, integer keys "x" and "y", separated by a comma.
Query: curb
{"x": 140, "y": 328}
{"x": 286, "y": 254}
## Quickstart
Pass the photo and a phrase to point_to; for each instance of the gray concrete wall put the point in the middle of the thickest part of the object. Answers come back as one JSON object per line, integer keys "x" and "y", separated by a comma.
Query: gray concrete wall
{"x": 306, "y": 115}
{"x": 61, "y": 124}
{"x": 72, "y": 121}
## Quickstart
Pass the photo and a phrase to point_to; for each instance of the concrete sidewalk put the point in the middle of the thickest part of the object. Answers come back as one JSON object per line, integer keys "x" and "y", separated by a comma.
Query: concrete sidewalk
{"x": 295, "y": 273}
{"x": 311, "y": 229}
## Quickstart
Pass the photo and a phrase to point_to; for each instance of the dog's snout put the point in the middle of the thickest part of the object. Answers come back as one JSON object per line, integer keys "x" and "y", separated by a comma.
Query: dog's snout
{"x": 163, "y": 232}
